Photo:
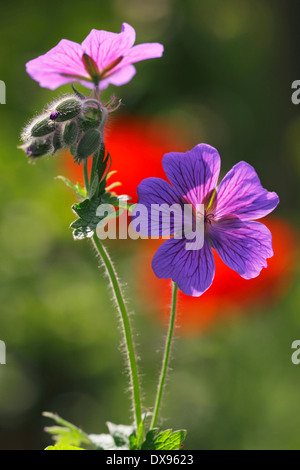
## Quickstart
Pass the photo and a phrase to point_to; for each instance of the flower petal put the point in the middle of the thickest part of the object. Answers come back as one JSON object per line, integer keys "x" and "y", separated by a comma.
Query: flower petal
{"x": 64, "y": 59}
{"x": 240, "y": 193}
{"x": 151, "y": 50}
{"x": 192, "y": 270}
{"x": 243, "y": 246}
{"x": 193, "y": 174}
{"x": 105, "y": 47}
{"x": 118, "y": 78}
{"x": 153, "y": 192}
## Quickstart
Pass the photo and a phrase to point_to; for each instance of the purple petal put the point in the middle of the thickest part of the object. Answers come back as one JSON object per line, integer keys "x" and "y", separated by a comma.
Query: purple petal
{"x": 105, "y": 47}
{"x": 118, "y": 78}
{"x": 151, "y": 192}
{"x": 243, "y": 246}
{"x": 240, "y": 193}
{"x": 195, "y": 173}
{"x": 192, "y": 270}
{"x": 65, "y": 58}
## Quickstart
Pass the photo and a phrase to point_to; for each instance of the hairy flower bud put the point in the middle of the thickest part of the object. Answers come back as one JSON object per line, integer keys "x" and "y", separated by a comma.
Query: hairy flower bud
{"x": 43, "y": 127}
{"x": 38, "y": 148}
{"x": 87, "y": 123}
{"x": 88, "y": 144}
{"x": 70, "y": 133}
{"x": 57, "y": 142}
{"x": 91, "y": 115}
{"x": 66, "y": 110}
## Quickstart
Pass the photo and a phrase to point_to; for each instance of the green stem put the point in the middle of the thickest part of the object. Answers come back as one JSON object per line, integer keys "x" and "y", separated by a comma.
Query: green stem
{"x": 165, "y": 362}
{"x": 86, "y": 175}
{"x": 126, "y": 327}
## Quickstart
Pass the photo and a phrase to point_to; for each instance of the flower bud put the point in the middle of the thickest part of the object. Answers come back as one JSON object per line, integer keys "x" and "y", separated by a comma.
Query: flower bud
{"x": 73, "y": 150}
{"x": 42, "y": 128}
{"x": 38, "y": 148}
{"x": 91, "y": 116}
{"x": 66, "y": 110}
{"x": 57, "y": 142}
{"x": 70, "y": 133}
{"x": 88, "y": 144}
{"x": 86, "y": 123}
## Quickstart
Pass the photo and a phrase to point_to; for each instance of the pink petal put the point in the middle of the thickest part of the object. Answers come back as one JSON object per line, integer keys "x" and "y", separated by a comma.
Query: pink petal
{"x": 105, "y": 47}
{"x": 65, "y": 58}
{"x": 118, "y": 78}
{"x": 144, "y": 51}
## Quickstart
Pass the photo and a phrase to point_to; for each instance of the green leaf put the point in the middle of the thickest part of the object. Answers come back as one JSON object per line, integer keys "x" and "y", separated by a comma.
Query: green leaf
{"x": 78, "y": 190}
{"x": 86, "y": 225}
{"x": 102, "y": 441}
{"x": 99, "y": 169}
{"x": 164, "y": 440}
{"x": 135, "y": 438}
{"x": 66, "y": 433}
{"x": 77, "y": 93}
{"x": 62, "y": 447}
{"x": 119, "y": 437}
{"x": 120, "y": 434}
{"x": 94, "y": 187}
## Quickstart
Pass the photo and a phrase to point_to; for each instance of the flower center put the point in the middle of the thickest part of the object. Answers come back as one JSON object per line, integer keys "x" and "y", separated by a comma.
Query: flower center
{"x": 208, "y": 217}
{"x": 208, "y": 209}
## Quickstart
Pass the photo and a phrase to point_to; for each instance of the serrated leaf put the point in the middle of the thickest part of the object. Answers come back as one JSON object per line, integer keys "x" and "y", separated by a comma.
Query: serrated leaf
{"x": 63, "y": 447}
{"x": 117, "y": 201}
{"x": 108, "y": 198}
{"x": 85, "y": 226}
{"x": 164, "y": 440}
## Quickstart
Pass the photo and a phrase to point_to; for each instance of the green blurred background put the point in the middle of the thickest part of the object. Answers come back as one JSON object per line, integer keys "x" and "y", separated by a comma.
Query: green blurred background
{"x": 226, "y": 75}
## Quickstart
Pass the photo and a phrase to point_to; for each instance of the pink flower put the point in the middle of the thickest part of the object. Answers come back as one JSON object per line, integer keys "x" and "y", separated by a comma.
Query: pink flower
{"x": 103, "y": 58}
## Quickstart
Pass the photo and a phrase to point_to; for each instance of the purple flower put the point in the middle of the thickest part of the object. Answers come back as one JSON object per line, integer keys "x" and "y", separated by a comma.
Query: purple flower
{"x": 102, "y": 58}
{"x": 229, "y": 211}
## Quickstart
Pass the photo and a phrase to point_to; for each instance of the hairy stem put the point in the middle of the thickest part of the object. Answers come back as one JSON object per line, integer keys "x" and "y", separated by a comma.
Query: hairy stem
{"x": 126, "y": 328}
{"x": 166, "y": 356}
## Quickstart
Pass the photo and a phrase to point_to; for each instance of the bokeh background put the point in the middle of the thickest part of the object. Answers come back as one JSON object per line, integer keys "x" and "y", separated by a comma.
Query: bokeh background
{"x": 225, "y": 79}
